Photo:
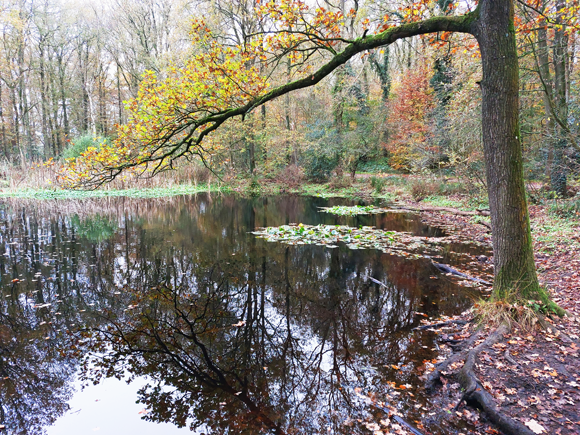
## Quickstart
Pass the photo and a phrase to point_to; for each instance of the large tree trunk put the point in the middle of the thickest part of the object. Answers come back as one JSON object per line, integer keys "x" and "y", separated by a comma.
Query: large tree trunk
{"x": 515, "y": 272}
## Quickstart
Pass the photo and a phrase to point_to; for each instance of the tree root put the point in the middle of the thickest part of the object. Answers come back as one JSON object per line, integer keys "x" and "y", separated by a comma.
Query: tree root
{"x": 447, "y": 269}
{"x": 475, "y": 393}
{"x": 442, "y": 324}
{"x": 434, "y": 377}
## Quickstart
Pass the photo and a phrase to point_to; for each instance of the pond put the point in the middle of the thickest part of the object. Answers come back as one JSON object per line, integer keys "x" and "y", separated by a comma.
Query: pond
{"x": 217, "y": 329}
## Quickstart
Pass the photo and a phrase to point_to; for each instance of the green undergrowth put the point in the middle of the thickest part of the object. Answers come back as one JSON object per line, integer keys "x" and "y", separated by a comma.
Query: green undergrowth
{"x": 345, "y": 210}
{"x": 355, "y": 191}
{"x": 554, "y": 233}
{"x": 568, "y": 209}
{"x": 467, "y": 203}
{"x": 102, "y": 193}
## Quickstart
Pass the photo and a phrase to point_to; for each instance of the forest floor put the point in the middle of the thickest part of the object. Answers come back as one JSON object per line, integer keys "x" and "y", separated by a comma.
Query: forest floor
{"x": 533, "y": 375}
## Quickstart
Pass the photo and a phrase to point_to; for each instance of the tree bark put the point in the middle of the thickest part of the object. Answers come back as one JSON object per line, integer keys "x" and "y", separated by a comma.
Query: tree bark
{"x": 515, "y": 271}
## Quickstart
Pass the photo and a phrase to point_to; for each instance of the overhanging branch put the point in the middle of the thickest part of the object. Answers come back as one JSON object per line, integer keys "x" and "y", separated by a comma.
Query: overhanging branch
{"x": 167, "y": 151}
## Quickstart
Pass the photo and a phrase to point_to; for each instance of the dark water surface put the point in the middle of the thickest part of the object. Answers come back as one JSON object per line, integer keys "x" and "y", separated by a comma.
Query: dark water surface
{"x": 219, "y": 329}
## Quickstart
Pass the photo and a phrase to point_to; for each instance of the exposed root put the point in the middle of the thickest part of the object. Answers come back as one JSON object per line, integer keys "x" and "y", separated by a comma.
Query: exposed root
{"x": 434, "y": 377}
{"x": 441, "y": 324}
{"x": 474, "y": 392}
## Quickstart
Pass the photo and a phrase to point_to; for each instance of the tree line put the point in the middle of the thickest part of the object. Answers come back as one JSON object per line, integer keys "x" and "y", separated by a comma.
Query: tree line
{"x": 65, "y": 70}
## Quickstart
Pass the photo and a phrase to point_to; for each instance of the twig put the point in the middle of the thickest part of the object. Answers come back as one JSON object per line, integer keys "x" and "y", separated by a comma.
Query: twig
{"x": 509, "y": 359}
{"x": 376, "y": 281}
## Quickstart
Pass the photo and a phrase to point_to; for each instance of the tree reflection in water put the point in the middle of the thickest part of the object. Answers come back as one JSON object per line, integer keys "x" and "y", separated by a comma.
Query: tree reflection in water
{"x": 237, "y": 335}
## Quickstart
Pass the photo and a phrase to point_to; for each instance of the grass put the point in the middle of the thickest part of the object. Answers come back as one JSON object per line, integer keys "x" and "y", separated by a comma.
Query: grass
{"x": 524, "y": 316}
{"x": 442, "y": 201}
{"x": 552, "y": 233}
{"x": 467, "y": 203}
{"x": 155, "y": 192}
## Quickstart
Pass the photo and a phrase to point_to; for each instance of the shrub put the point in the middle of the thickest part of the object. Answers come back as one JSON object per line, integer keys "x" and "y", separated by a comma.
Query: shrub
{"x": 421, "y": 189}
{"x": 322, "y": 154}
{"x": 80, "y": 144}
{"x": 254, "y": 188}
{"x": 318, "y": 165}
{"x": 453, "y": 188}
{"x": 339, "y": 181}
{"x": 291, "y": 176}
{"x": 378, "y": 184}
{"x": 375, "y": 166}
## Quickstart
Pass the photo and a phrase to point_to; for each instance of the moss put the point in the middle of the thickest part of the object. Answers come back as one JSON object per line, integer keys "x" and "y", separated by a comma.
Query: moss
{"x": 526, "y": 291}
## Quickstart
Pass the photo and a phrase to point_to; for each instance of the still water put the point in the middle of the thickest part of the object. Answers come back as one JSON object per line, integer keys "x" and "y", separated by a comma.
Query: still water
{"x": 219, "y": 331}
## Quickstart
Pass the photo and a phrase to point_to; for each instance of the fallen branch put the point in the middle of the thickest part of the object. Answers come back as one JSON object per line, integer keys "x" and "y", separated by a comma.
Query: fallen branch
{"x": 376, "y": 281}
{"x": 447, "y": 269}
{"x": 485, "y": 224}
{"x": 475, "y": 392}
{"x": 509, "y": 358}
{"x": 441, "y": 324}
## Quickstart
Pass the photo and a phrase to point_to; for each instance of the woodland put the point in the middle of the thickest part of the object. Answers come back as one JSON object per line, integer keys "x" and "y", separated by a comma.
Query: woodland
{"x": 466, "y": 112}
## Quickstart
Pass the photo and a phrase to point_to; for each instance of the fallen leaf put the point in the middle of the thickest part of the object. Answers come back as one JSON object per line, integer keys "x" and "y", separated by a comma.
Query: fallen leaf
{"x": 535, "y": 426}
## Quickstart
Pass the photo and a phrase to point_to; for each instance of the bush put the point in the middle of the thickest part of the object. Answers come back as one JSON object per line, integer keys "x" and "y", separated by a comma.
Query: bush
{"x": 291, "y": 177}
{"x": 80, "y": 144}
{"x": 318, "y": 165}
{"x": 566, "y": 209}
{"x": 447, "y": 188}
{"x": 254, "y": 188}
{"x": 375, "y": 166}
{"x": 339, "y": 181}
{"x": 421, "y": 189}
{"x": 378, "y": 184}
{"x": 322, "y": 154}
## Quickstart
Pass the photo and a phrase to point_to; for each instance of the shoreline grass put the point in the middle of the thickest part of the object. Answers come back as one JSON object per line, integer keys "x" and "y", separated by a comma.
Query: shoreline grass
{"x": 141, "y": 192}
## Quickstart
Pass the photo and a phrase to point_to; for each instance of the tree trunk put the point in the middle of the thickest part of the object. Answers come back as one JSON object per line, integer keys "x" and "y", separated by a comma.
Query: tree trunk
{"x": 46, "y": 132}
{"x": 558, "y": 171}
{"x": 3, "y": 127}
{"x": 543, "y": 60}
{"x": 119, "y": 98}
{"x": 84, "y": 65}
{"x": 515, "y": 271}
{"x": 61, "y": 74}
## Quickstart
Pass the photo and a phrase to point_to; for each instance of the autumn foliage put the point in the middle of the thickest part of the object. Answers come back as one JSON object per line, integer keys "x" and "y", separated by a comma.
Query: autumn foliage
{"x": 408, "y": 120}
